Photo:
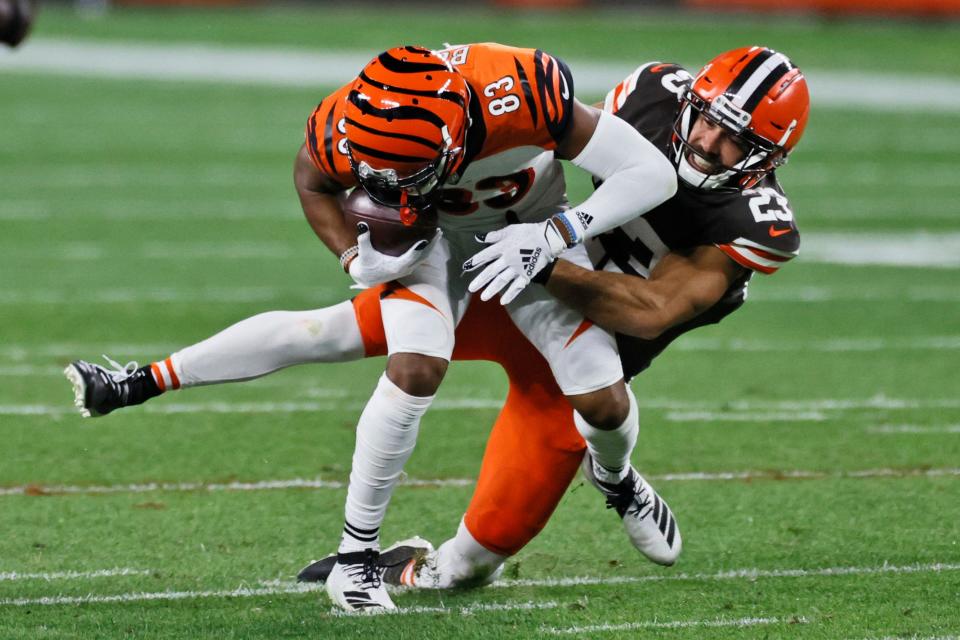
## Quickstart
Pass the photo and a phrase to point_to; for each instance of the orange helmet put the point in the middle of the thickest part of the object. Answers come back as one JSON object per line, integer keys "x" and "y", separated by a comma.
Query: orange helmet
{"x": 406, "y": 121}
{"x": 760, "y": 98}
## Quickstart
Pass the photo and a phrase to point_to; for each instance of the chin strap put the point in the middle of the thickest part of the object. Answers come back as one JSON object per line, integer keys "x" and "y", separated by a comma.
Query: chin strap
{"x": 407, "y": 215}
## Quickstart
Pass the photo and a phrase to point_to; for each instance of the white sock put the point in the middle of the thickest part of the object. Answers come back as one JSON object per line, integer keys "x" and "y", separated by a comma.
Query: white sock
{"x": 386, "y": 435}
{"x": 459, "y": 562}
{"x": 611, "y": 449}
{"x": 270, "y": 341}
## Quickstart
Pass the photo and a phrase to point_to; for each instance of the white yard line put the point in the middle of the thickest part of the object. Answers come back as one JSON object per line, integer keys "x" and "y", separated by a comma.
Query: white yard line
{"x": 735, "y": 574}
{"x": 10, "y": 576}
{"x": 865, "y": 344}
{"x": 728, "y": 416}
{"x": 165, "y": 294}
{"x": 671, "y": 624}
{"x": 302, "y": 68}
{"x": 914, "y": 249}
{"x": 317, "y": 483}
{"x": 275, "y": 588}
{"x": 913, "y": 637}
{"x": 913, "y": 429}
{"x": 248, "y": 592}
{"x": 242, "y": 592}
{"x": 679, "y": 411}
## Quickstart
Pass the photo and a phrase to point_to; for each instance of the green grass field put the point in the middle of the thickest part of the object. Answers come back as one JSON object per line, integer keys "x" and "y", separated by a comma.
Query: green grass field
{"x": 809, "y": 445}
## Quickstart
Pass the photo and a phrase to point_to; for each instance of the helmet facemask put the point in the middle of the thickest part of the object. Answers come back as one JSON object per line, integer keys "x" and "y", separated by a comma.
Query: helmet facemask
{"x": 410, "y": 194}
{"x": 760, "y": 156}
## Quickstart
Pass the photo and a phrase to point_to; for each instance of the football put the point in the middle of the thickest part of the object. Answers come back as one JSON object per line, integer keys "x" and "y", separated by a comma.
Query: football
{"x": 388, "y": 233}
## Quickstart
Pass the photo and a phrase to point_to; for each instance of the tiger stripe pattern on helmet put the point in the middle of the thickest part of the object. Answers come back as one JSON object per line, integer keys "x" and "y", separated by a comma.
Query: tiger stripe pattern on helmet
{"x": 406, "y": 109}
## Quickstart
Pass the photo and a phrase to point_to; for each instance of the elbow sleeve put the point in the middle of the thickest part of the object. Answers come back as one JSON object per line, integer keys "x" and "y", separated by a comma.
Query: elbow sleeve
{"x": 636, "y": 178}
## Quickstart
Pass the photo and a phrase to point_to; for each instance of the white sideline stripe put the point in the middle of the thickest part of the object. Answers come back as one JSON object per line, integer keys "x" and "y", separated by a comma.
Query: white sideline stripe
{"x": 735, "y": 574}
{"x": 913, "y": 429}
{"x": 267, "y": 294}
{"x": 298, "y": 68}
{"x": 672, "y": 624}
{"x": 917, "y": 249}
{"x": 316, "y": 483}
{"x": 73, "y": 575}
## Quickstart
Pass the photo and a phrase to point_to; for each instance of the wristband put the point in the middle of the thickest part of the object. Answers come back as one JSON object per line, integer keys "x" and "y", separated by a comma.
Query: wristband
{"x": 347, "y": 256}
{"x": 571, "y": 232}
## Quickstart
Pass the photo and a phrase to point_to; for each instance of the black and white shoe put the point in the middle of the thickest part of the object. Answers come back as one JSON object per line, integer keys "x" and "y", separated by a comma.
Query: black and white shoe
{"x": 355, "y": 583}
{"x": 648, "y": 520}
{"x": 97, "y": 390}
{"x": 397, "y": 564}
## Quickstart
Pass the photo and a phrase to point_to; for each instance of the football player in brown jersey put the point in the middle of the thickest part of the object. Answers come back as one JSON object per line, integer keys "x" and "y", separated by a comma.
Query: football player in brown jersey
{"x": 684, "y": 264}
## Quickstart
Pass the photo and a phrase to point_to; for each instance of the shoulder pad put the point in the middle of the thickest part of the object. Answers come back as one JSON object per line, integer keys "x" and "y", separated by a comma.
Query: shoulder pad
{"x": 760, "y": 230}
{"x": 653, "y": 80}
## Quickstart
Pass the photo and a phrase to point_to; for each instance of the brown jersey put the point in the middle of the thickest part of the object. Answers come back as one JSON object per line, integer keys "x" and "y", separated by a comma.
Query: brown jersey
{"x": 754, "y": 227}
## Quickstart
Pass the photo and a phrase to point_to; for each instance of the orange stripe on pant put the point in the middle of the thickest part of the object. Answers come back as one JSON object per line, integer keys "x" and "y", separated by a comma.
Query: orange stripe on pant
{"x": 533, "y": 451}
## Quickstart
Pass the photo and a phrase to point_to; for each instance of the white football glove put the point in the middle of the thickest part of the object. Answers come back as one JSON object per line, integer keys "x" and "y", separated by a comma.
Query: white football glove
{"x": 371, "y": 267}
{"x": 517, "y": 254}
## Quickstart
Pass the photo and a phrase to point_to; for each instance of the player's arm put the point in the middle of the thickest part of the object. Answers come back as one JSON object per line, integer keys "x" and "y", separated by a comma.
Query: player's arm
{"x": 636, "y": 175}
{"x": 636, "y": 178}
{"x": 318, "y": 197}
{"x": 680, "y": 287}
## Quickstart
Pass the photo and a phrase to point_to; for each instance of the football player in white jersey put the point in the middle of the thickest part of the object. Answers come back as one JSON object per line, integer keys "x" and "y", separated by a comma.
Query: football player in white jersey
{"x": 684, "y": 264}
{"x": 419, "y": 129}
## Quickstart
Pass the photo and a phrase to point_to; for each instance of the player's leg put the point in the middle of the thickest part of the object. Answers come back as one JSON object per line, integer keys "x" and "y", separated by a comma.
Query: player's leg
{"x": 248, "y": 349}
{"x": 532, "y": 455}
{"x": 587, "y": 368}
{"x": 418, "y": 324}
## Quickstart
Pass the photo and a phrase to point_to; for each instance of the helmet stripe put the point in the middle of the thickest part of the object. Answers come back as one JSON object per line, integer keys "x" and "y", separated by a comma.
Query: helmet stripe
{"x": 408, "y": 66}
{"x": 748, "y": 71}
{"x": 443, "y": 95}
{"x": 772, "y": 78}
{"x": 398, "y": 113}
{"x": 758, "y": 77}
{"x": 402, "y": 136}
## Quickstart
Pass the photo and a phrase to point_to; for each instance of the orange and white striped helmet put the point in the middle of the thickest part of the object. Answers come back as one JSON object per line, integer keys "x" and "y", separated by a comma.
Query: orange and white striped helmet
{"x": 406, "y": 121}
{"x": 761, "y": 98}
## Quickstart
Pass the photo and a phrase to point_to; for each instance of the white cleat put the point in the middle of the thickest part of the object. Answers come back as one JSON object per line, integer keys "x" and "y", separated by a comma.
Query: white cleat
{"x": 648, "y": 520}
{"x": 355, "y": 583}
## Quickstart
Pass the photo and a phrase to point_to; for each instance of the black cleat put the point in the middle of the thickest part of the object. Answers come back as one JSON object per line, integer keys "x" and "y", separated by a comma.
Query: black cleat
{"x": 396, "y": 564}
{"x": 97, "y": 390}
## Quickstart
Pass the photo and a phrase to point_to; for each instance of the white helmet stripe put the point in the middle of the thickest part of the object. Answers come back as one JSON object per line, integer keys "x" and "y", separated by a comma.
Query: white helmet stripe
{"x": 757, "y": 78}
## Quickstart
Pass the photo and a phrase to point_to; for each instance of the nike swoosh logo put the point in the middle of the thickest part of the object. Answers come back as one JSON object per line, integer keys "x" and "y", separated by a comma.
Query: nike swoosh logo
{"x": 775, "y": 233}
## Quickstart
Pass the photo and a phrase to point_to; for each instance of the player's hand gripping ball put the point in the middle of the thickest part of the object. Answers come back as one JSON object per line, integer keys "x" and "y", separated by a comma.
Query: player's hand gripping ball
{"x": 391, "y": 232}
